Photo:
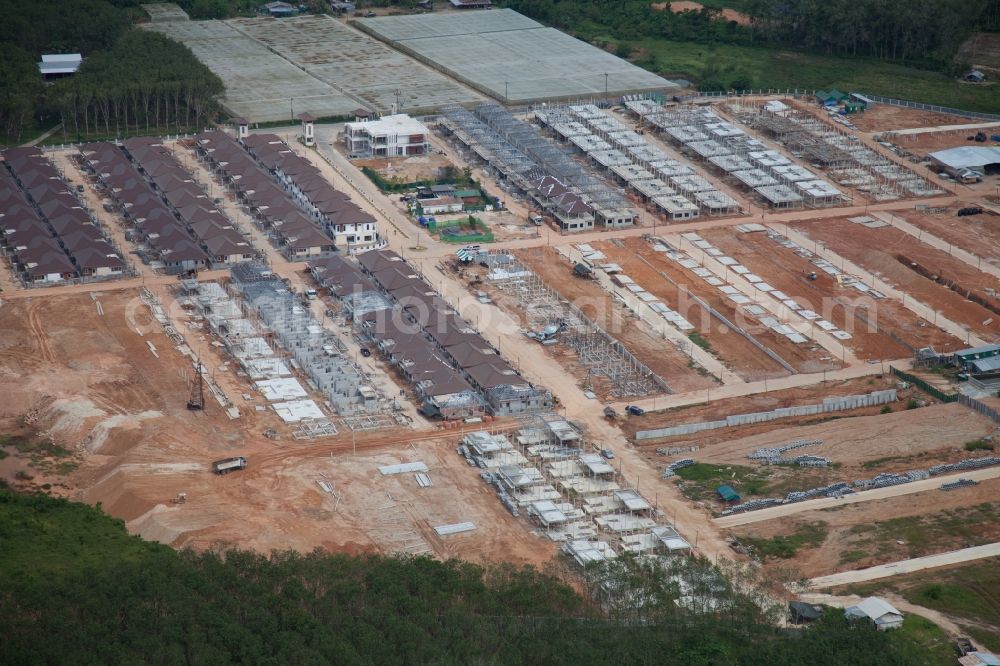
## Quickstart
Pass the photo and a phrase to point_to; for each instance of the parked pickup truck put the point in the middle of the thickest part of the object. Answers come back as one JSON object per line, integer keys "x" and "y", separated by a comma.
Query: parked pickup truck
{"x": 227, "y": 465}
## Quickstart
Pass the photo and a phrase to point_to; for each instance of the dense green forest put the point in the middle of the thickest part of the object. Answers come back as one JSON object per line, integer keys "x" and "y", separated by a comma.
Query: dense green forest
{"x": 77, "y": 589}
{"x": 145, "y": 80}
{"x": 894, "y": 30}
{"x": 130, "y": 78}
{"x": 896, "y": 48}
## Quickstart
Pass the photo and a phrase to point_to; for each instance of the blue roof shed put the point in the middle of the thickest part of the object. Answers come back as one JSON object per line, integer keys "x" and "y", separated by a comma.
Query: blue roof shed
{"x": 727, "y": 493}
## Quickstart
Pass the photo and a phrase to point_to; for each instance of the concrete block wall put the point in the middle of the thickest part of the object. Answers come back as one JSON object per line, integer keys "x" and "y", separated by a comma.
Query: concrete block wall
{"x": 835, "y": 404}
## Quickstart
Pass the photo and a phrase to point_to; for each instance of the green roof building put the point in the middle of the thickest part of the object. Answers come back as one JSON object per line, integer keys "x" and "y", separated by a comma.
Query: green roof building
{"x": 727, "y": 493}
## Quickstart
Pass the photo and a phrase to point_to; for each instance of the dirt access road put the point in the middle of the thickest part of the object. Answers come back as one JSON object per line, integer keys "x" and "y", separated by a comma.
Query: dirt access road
{"x": 785, "y": 510}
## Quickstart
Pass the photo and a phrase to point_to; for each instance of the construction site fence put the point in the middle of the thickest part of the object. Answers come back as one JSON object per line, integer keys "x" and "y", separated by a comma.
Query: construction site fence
{"x": 828, "y": 405}
{"x": 947, "y": 110}
{"x": 980, "y": 407}
{"x": 924, "y": 386}
{"x": 878, "y": 99}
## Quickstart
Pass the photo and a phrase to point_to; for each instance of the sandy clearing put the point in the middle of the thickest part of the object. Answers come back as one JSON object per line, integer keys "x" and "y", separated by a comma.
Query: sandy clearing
{"x": 910, "y": 302}
{"x": 851, "y": 441}
{"x": 687, "y": 5}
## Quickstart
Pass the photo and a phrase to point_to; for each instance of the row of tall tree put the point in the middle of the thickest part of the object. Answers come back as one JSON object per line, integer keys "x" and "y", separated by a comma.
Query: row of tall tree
{"x": 20, "y": 88}
{"x": 77, "y": 589}
{"x": 65, "y": 26}
{"x": 130, "y": 78}
{"x": 884, "y": 29}
{"x": 144, "y": 81}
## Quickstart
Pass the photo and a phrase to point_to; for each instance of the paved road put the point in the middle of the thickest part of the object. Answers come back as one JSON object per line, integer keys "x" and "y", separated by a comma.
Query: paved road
{"x": 944, "y": 128}
{"x": 863, "y": 496}
{"x": 906, "y": 566}
{"x": 43, "y": 137}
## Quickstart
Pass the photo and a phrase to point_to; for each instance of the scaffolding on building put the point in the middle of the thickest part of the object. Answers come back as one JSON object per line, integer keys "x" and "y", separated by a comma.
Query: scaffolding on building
{"x": 548, "y": 468}
{"x": 518, "y": 152}
{"x": 595, "y": 348}
{"x": 835, "y": 149}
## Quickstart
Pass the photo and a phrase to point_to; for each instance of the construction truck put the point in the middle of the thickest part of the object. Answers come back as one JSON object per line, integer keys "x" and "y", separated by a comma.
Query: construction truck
{"x": 227, "y": 465}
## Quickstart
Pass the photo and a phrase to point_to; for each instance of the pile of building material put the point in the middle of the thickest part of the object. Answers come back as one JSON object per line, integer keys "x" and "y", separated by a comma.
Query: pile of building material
{"x": 883, "y": 480}
{"x": 671, "y": 469}
{"x": 775, "y": 455}
{"x": 972, "y": 463}
{"x": 961, "y": 483}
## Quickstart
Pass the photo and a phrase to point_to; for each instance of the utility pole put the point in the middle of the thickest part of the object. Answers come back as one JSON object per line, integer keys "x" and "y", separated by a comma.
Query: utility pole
{"x": 196, "y": 401}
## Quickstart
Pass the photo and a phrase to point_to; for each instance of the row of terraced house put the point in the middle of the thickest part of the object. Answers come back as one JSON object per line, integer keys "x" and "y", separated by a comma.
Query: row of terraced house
{"x": 48, "y": 235}
{"x": 175, "y": 224}
{"x": 273, "y": 210}
{"x": 352, "y": 229}
{"x": 453, "y": 370}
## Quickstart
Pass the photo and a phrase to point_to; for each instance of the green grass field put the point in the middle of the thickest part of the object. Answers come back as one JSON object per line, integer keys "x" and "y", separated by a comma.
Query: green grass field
{"x": 785, "y": 546}
{"x": 700, "y": 480}
{"x": 921, "y": 631}
{"x": 769, "y": 68}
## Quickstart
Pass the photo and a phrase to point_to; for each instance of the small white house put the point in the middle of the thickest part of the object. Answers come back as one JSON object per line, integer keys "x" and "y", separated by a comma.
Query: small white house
{"x": 56, "y": 65}
{"x": 878, "y": 610}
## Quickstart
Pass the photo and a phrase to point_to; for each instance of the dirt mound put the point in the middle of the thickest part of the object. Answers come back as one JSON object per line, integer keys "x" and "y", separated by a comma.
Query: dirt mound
{"x": 130, "y": 422}
{"x": 170, "y": 526}
{"x": 69, "y": 420}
